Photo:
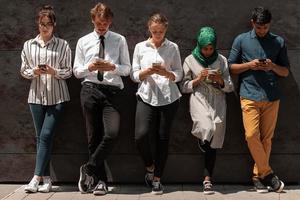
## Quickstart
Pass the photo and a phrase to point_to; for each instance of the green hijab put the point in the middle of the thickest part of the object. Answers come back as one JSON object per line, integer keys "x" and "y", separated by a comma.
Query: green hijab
{"x": 205, "y": 36}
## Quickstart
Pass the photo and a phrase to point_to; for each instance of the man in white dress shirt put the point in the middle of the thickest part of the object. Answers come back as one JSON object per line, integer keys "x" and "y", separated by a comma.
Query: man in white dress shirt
{"x": 101, "y": 59}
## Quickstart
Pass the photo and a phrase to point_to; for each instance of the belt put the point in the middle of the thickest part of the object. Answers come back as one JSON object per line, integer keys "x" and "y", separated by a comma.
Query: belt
{"x": 101, "y": 86}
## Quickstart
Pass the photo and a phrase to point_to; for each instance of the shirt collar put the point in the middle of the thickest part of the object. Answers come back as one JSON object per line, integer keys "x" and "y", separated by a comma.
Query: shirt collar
{"x": 97, "y": 35}
{"x": 39, "y": 41}
{"x": 165, "y": 42}
{"x": 253, "y": 35}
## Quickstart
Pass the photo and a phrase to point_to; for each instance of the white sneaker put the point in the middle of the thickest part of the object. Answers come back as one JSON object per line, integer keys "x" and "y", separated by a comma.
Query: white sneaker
{"x": 32, "y": 186}
{"x": 47, "y": 185}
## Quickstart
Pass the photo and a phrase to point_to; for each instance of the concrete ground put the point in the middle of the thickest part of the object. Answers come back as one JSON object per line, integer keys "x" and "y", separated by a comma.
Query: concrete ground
{"x": 139, "y": 192}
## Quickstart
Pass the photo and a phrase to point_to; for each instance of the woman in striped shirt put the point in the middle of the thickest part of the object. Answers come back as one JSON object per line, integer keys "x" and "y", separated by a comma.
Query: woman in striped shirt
{"x": 46, "y": 61}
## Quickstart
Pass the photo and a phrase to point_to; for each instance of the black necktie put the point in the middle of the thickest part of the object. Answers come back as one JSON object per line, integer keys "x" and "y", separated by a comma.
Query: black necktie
{"x": 101, "y": 55}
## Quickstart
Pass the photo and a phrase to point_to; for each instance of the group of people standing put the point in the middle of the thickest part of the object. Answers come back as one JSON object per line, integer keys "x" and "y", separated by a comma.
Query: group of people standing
{"x": 102, "y": 57}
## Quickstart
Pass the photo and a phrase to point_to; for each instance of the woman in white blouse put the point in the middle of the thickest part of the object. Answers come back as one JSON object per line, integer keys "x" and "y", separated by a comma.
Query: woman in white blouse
{"x": 206, "y": 77}
{"x": 46, "y": 61}
{"x": 156, "y": 67}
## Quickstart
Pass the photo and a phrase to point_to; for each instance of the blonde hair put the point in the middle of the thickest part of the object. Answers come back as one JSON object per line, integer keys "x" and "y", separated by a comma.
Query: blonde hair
{"x": 158, "y": 18}
{"x": 101, "y": 10}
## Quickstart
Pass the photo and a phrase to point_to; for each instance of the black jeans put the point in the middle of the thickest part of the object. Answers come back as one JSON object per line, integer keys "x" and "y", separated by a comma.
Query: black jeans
{"x": 100, "y": 106}
{"x": 157, "y": 120}
{"x": 209, "y": 159}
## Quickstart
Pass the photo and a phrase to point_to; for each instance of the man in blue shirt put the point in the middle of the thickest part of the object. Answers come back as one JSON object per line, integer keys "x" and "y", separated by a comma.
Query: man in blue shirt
{"x": 260, "y": 58}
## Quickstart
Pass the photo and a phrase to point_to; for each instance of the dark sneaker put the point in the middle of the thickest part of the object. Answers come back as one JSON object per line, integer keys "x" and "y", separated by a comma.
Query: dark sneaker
{"x": 86, "y": 182}
{"x": 149, "y": 178}
{"x": 100, "y": 189}
{"x": 157, "y": 188}
{"x": 273, "y": 181}
{"x": 207, "y": 188}
{"x": 259, "y": 186}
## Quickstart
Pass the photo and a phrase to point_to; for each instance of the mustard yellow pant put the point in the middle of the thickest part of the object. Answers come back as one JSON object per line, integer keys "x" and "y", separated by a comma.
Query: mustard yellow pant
{"x": 259, "y": 119}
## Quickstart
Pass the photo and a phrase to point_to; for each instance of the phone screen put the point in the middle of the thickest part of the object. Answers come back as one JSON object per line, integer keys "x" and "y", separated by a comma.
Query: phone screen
{"x": 262, "y": 60}
{"x": 42, "y": 66}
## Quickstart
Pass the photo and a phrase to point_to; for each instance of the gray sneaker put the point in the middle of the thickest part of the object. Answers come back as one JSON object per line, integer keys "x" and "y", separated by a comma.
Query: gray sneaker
{"x": 86, "y": 182}
{"x": 274, "y": 182}
{"x": 157, "y": 188}
{"x": 259, "y": 186}
{"x": 208, "y": 188}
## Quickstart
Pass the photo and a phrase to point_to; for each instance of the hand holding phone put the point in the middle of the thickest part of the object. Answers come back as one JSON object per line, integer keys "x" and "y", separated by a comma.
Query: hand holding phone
{"x": 262, "y": 60}
{"x": 157, "y": 65}
{"x": 42, "y": 66}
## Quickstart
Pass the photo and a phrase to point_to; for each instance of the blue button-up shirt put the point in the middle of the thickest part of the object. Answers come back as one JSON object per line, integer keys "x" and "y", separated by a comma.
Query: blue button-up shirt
{"x": 259, "y": 85}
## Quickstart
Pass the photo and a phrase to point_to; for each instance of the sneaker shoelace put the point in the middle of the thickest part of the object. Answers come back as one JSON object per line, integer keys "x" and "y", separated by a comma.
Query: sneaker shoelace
{"x": 157, "y": 185}
{"x": 101, "y": 186}
{"x": 207, "y": 185}
{"x": 89, "y": 181}
{"x": 34, "y": 183}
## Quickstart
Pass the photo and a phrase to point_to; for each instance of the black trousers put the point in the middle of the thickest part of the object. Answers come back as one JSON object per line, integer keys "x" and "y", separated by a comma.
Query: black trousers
{"x": 209, "y": 159}
{"x": 154, "y": 120}
{"x": 100, "y": 106}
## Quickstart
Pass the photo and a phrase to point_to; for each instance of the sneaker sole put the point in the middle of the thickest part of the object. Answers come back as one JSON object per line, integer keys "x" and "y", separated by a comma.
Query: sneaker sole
{"x": 30, "y": 191}
{"x": 80, "y": 180}
{"x": 209, "y": 192}
{"x": 262, "y": 190}
{"x": 99, "y": 193}
{"x": 280, "y": 188}
{"x": 157, "y": 193}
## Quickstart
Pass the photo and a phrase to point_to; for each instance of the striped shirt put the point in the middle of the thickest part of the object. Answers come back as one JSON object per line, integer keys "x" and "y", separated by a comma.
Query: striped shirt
{"x": 47, "y": 89}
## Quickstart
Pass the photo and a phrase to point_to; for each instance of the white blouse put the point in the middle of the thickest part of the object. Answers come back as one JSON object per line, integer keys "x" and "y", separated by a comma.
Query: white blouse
{"x": 157, "y": 90}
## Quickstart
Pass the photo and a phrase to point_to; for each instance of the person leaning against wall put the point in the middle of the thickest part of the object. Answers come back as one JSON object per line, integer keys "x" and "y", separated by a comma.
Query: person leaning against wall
{"x": 156, "y": 66}
{"x": 259, "y": 57}
{"x": 207, "y": 78}
{"x": 46, "y": 61}
{"x": 101, "y": 59}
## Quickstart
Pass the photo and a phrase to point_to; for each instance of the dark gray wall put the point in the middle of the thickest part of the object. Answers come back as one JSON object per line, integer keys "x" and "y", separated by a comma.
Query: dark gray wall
{"x": 185, "y": 163}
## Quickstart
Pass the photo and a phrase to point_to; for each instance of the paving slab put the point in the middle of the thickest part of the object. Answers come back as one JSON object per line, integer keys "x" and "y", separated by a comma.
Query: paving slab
{"x": 140, "y": 192}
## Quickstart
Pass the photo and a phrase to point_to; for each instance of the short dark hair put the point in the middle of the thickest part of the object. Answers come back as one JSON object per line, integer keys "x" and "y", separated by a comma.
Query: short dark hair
{"x": 261, "y": 15}
{"x": 101, "y": 10}
{"x": 46, "y": 11}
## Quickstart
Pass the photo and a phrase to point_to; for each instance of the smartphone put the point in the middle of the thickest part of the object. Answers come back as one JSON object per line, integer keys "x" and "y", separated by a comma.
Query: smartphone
{"x": 98, "y": 60}
{"x": 213, "y": 71}
{"x": 157, "y": 65}
{"x": 262, "y": 60}
{"x": 42, "y": 66}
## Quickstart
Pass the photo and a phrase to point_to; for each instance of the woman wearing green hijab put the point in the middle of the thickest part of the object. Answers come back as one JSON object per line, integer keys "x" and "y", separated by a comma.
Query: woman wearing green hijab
{"x": 206, "y": 78}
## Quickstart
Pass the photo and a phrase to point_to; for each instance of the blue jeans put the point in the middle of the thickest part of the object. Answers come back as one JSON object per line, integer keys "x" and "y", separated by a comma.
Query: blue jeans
{"x": 45, "y": 119}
